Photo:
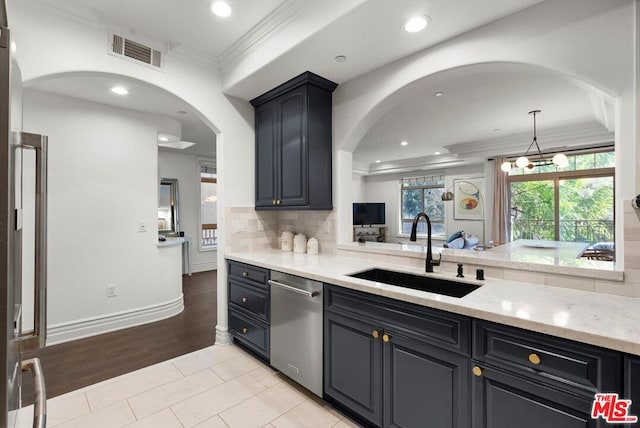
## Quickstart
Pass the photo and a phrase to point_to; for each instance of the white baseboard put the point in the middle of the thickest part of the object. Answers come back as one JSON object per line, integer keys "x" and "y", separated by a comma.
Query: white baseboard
{"x": 204, "y": 266}
{"x": 223, "y": 337}
{"x": 78, "y": 329}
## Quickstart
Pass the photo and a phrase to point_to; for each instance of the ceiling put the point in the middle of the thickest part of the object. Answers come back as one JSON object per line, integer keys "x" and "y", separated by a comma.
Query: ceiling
{"x": 266, "y": 42}
{"x": 481, "y": 104}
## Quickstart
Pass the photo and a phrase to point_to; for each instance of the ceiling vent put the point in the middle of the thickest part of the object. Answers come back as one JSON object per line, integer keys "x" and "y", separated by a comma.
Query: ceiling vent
{"x": 127, "y": 48}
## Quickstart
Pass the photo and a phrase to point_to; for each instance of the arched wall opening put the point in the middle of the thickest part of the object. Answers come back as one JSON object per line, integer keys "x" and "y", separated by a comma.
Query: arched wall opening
{"x": 103, "y": 180}
{"x": 393, "y": 88}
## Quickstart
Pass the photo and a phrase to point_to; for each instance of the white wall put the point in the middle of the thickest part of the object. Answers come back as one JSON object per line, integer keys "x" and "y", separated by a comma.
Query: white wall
{"x": 186, "y": 169}
{"x": 102, "y": 183}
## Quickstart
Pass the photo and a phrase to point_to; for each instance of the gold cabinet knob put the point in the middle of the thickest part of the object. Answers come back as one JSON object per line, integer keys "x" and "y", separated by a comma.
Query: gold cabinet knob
{"x": 477, "y": 371}
{"x": 245, "y": 330}
{"x": 278, "y": 201}
{"x": 386, "y": 338}
{"x": 375, "y": 334}
{"x": 273, "y": 202}
{"x": 245, "y": 300}
{"x": 534, "y": 359}
{"x": 245, "y": 274}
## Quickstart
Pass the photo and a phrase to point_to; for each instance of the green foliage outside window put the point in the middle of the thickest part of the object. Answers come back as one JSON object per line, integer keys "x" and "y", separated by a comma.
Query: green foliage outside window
{"x": 585, "y": 211}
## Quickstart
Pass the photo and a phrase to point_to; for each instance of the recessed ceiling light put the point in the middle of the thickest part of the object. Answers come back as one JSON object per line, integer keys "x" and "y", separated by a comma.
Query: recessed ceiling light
{"x": 404, "y": 143}
{"x": 436, "y": 153}
{"x": 221, "y": 8}
{"x": 340, "y": 58}
{"x": 439, "y": 94}
{"x": 163, "y": 138}
{"x": 378, "y": 161}
{"x": 119, "y": 90}
{"x": 416, "y": 23}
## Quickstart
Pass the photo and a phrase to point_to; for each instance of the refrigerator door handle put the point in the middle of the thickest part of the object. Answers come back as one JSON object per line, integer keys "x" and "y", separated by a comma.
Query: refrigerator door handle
{"x": 37, "y": 338}
{"x": 40, "y": 393}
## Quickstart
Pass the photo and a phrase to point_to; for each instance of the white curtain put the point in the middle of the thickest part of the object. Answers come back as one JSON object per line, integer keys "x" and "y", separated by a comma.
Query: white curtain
{"x": 501, "y": 221}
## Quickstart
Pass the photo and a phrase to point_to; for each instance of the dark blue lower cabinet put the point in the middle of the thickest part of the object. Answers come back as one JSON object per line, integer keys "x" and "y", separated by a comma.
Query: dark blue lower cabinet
{"x": 353, "y": 366}
{"x": 424, "y": 386}
{"x": 392, "y": 381}
{"x": 505, "y": 400}
{"x": 632, "y": 384}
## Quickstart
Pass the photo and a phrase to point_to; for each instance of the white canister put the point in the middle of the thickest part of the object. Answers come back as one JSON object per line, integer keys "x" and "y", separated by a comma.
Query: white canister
{"x": 286, "y": 241}
{"x": 300, "y": 243}
{"x": 312, "y": 246}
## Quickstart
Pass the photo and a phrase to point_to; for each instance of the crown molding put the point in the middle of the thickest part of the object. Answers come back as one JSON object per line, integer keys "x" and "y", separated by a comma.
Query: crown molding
{"x": 559, "y": 138}
{"x": 189, "y": 54}
{"x": 603, "y": 109}
{"x": 424, "y": 163}
{"x": 75, "y": 11}
{"x": 273, "y": 22}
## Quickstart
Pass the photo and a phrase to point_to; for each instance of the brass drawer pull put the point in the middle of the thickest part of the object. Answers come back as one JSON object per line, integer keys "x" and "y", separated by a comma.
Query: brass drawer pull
{"x": 245, "y": 330}
{"x": 273, "y": 202}
{"x": 375, "y": 334}
{"x": 245, "y": 300}
{"x": 386, "y": 338}
{"x": 245, "y": 274}
{"x": 477, "y": 371}
{"x": 277, "y": 201}
{"x": 534, "y": 359}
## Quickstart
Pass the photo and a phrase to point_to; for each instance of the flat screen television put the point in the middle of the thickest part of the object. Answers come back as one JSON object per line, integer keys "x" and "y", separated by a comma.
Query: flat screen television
{"x": 366, "y": 214}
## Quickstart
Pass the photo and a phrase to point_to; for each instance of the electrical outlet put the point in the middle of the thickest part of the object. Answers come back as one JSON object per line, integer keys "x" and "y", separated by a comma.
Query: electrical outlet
{"x": 142, "y": 227}
{"x": 112, "y": 290}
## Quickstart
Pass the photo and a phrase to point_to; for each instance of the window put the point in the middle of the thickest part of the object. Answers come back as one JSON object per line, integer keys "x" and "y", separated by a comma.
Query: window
{"x": 422, "y": 194}
{"x": 208, "y": 206}
{"x": 575, "y": 203}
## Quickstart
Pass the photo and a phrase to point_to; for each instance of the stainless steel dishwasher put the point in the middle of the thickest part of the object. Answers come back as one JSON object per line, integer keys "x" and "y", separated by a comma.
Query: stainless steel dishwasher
{"x": 296, "y": 329}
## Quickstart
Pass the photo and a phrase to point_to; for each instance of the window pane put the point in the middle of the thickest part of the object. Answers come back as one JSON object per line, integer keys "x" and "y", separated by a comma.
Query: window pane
{"x": 437, "y": 229}
{"x": 605, "y": 160}
{"x": 411, "y": 203}
{"x": 434, "y": 206}
{"x": 532, "y": 210}
{"x": 586, "y": 210}
{"x": 585, "y": 161}
{"x": 209, "y": 199}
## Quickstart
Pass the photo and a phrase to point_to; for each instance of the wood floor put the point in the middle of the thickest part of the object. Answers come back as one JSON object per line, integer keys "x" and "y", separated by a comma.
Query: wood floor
{"x": 80, "y": 363}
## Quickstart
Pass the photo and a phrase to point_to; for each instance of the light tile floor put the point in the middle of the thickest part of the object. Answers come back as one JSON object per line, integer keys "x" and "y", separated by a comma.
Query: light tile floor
{"x": 216, "y": 387}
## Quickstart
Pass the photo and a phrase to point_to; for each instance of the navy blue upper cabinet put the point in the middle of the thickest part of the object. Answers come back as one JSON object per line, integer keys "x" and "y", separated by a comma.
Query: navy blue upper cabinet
{"x": 293, "y": 145}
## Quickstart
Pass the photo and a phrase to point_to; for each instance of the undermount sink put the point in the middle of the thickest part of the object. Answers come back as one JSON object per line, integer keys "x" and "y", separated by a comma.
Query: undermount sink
{"x": 417, "y": 282}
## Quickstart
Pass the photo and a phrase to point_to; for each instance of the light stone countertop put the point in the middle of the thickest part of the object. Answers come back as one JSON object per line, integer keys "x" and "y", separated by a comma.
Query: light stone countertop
{"x": 171, "y": 242}
{"x": 599, "y": 319}
{"x": 524, "y": 254}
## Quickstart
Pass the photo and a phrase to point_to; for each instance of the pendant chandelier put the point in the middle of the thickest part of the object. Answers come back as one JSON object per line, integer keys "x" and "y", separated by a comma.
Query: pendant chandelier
{"x": 559, "y": 159}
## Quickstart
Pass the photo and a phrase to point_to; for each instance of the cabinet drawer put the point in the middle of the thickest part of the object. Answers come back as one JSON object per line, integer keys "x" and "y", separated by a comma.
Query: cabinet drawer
{"x": 554, "y": 358}
{"x": 250, "y": 274}
{"x": 447, "y": 330}
{"x": 250, "y": 299}
{"x": 251, "y": 333}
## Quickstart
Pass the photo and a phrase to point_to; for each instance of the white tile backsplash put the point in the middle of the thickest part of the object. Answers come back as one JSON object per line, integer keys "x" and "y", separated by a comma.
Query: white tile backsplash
{"x": 250, "y": 230}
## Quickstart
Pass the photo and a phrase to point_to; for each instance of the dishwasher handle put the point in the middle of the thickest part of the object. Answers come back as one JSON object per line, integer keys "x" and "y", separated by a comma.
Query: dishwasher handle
{"x": 294, "y": 289}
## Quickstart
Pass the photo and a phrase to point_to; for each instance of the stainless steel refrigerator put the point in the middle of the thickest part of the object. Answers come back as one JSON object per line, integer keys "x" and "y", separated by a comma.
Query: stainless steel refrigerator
{"x": 23, "y": 202}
